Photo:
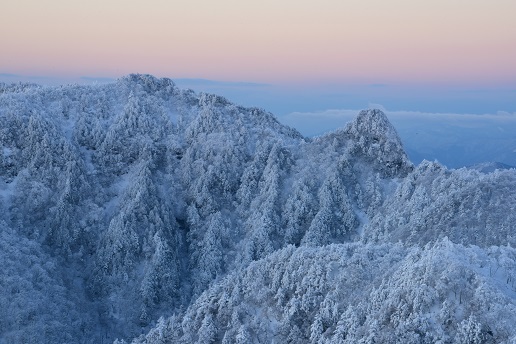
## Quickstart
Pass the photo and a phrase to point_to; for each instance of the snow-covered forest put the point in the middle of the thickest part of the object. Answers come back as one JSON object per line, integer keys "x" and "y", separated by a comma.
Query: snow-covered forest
{"x": 139, "y": 212}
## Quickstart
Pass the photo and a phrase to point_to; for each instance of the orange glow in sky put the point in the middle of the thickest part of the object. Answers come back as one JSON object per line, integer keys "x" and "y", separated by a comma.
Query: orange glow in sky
{"x": 367, "y": 41}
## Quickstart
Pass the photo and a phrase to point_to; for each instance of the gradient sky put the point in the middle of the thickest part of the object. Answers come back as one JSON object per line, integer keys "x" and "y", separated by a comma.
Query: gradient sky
{"x": 361, "y": 41}
{"x": 406, "y": 54}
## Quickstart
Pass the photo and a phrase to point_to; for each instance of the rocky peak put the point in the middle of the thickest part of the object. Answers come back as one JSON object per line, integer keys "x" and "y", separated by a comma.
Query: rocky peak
{"x": 374, "y": 137}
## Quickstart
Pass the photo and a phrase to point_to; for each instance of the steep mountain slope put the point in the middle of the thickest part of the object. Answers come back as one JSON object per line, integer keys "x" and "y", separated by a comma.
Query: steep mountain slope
{"x": 464, "y": 205}
{"x": 354, "y": 293}
{"x": 137, "y": 200}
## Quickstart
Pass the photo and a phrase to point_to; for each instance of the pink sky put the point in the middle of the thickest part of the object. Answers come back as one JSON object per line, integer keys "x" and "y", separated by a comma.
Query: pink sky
{"x": 363, "y": 41}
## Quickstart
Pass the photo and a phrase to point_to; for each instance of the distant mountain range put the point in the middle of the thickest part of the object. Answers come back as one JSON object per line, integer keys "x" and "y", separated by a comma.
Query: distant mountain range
{"x": 139, "y": 212}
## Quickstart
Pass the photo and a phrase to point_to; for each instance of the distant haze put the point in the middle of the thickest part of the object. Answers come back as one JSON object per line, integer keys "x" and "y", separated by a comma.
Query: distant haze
{"x": 455, "y": 140}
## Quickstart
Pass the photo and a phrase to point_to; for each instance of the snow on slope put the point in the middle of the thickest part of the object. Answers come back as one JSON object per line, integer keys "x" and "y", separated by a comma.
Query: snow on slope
{"x": 152, "y": 201}
{"x": 354, "y": 293}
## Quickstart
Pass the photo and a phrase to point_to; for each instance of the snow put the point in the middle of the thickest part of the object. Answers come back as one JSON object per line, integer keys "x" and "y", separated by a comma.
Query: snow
{"x": 7, "y": 188}
{"x": 67, "y": 127}
{"x": 364, "y": 220}
{"x": 173, "y": 115}
{"x": 246, "y": 229}
{"x": 6, "y": 151}
{"x": 117, "y": 190}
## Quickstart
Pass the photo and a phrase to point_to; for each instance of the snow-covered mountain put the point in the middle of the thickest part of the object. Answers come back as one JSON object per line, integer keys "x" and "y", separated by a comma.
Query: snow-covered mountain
{"x": 140, "y": 211}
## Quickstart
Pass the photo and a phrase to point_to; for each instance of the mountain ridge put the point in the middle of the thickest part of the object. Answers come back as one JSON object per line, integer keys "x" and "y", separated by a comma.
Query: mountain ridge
{"x": 140, "y": 200}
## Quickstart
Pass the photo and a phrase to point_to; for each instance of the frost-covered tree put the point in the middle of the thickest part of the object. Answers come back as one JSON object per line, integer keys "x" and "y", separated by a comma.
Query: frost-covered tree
{"x": 139, "y": 211}
{"x": 335, "y": 220}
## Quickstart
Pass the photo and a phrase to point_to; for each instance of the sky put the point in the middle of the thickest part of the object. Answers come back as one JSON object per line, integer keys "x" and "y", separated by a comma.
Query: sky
{"x": 439, "y": 56}
{"x": 455, "y": 140}
{"x": 439, "y": 42}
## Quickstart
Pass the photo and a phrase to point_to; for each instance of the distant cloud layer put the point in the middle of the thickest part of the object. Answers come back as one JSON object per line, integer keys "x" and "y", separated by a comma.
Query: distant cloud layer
{"x": 455, "y": 140}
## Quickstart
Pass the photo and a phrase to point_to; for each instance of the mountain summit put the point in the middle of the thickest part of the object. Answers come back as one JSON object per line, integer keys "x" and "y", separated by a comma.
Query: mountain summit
{"x": 375, "y": 139}
{"x": 140, "y": 211}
